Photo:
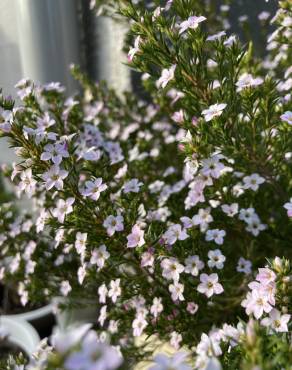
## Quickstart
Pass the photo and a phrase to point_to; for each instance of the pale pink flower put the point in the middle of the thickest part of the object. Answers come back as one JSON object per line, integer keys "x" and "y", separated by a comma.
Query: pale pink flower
{"x": 147, "y": 259}
{"x": 192, "y": 307}
{"x": 176, "y": 289}
{"x": 166, "y": 76}
{"x": 266, "y": 276}
{"x": 246, "y": 80}
{"x": 192, "y": 23}
{"x": 136, "y": 238}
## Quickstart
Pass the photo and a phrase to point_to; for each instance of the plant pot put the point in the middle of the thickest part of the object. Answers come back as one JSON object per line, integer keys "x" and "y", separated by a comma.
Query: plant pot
{"x": 20, "y": 334}
{"x": 85, "y": 312}
{"x": 41, "y": 318}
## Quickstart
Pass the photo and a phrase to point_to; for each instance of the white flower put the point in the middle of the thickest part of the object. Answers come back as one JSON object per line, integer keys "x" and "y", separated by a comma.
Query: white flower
{"x": 81, "y": 273}
{"x": 174, "y": 233}
{"x": 216, "y": 235}
{"x": 113, "y": 326}
{"x": 132, "y": 52}
{"x": 99, "y": 256}
{"x": 288, "y": 207}
{"x": 102, "y": 292}
{"x": 115, "y": 290}
{"x": 208, "y": 346}
{"x": 27, "y": 182}
{"x": 213, "y": 111}
{"x": 80, "y": 243}
{"x": 157, "y": 307}
{"x": 192, "y": 23}
{"x": 136, "y": 238}
{"x": 277, "y": 321}
{"x": 255, "y": 226}
{"x": 264, "y": 15}
{"x": 244, "y": 266}
{"x": 247, "y": 80}
{"x": 132, "y": 186}
{"x": 253, "y": 181}
{"x": 93, "y": 189}
{"x": 171, "y": 269}
{"x": 64, "y": 208}
{"x": 209, "y": 285}
{"x": 102, "y": 315}
{"x": 216, "y": 37}
{"x": 246, "y": 214}
{"x": 54, "y": 177}
{"x": 55, "y": 152}
{"x": 203, "y": 218}
{"x": 216, "y": 259}
{"x": 176, "y": 290}
{"x": 65, "y": 288}
{"x": 138, "y": 325}
{"x": 230, "y": 210}
{"x": 193, "y": 265}
{"x": 256, "y": 303}
{"x": 175, "y": 339}
{"x": 287, "y": 117}
{"x": 113, "y": 224}
{"x": 166, "y": 76}
{"x": 212, "y": 167}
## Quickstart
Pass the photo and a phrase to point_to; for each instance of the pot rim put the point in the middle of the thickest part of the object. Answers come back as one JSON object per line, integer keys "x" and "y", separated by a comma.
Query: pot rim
{"x": 33, "y": 314}
{"x": 21, "y": 333}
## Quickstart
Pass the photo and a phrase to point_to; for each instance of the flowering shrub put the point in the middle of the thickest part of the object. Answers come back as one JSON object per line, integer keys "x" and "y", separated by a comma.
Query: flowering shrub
{"x": 162, "y": 215}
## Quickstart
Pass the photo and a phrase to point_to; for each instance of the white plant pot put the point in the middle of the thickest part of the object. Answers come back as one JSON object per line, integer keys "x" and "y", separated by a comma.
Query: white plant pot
{"x": 20, "y": 333}
{"x": 39, "y": 317}
{"x": 87, "y": 313}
